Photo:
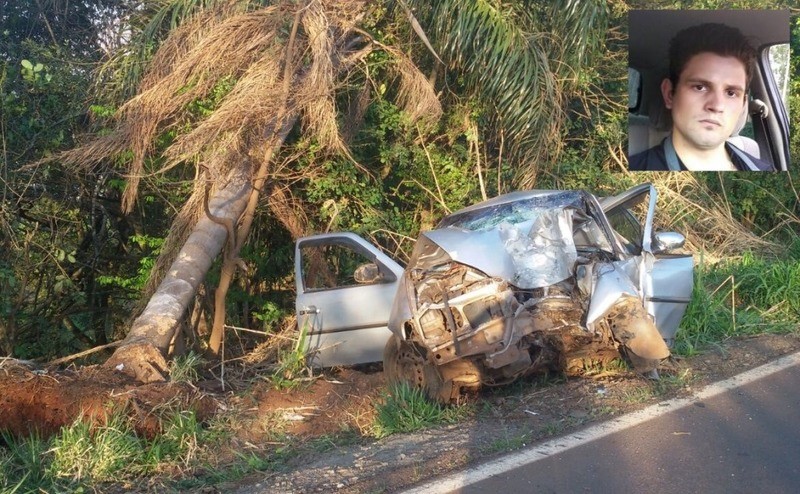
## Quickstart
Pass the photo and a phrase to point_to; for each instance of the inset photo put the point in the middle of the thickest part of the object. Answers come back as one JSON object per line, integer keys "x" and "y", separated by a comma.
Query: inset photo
{"x": 708, "y": 90}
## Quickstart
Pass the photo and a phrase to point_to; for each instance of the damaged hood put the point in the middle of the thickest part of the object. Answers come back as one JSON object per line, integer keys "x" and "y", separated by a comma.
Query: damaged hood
{"x": 534, "y": 253}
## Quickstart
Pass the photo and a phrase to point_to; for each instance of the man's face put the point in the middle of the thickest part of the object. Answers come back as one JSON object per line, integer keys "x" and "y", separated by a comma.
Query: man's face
{"x": 707, "y": 101}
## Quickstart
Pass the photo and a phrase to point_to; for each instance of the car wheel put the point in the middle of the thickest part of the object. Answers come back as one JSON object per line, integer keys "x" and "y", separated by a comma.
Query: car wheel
{"x": 404, "y": 361}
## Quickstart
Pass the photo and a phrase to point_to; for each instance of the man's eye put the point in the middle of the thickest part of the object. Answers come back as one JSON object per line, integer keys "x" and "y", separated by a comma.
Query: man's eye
{"x": 699, "y": 87}
{"x": 732, "y": 94}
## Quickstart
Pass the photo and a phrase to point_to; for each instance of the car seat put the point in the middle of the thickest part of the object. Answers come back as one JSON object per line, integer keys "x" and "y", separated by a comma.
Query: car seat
{"x": 757, "y": 109}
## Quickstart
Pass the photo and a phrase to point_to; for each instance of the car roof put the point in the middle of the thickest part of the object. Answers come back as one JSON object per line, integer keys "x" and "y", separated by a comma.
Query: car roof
{"x": 651, "y": 30}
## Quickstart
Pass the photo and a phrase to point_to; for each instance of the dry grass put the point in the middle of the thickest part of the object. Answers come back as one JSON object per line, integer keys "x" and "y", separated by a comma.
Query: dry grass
{"x": 708, "y": 225}
{"x": 271, "y": 85}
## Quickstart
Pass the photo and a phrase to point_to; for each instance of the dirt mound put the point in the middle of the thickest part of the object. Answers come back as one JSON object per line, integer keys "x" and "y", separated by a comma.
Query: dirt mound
{"x": 42, "y": 401}
{"x": 331, "y": 402}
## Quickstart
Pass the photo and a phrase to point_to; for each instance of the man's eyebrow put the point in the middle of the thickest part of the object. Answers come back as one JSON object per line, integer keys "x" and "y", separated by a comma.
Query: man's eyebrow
{"x": 697, "y": 80}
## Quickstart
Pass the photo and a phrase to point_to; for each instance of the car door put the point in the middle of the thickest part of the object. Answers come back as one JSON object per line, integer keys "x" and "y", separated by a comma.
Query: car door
{"x": 665, "y": 275}
{"x": 345, "y": 289}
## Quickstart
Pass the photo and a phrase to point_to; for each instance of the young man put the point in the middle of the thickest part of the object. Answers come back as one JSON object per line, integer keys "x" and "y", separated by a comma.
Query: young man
{"x": 710, "y": 68}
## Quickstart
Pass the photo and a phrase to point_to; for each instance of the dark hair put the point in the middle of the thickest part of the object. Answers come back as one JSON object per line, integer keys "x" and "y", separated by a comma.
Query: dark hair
{"x": 718, "y": 39}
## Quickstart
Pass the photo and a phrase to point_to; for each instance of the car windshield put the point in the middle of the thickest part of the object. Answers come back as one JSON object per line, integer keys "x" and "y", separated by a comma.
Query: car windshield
{"x": 514, "y": 212}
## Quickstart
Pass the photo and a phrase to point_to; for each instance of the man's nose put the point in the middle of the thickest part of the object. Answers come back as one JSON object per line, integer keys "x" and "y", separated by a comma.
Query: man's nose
{"x": 714, "y": 101}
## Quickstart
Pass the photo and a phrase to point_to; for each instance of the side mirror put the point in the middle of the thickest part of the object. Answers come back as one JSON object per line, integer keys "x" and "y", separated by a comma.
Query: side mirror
{"x": 367, "y": 273}
{"x": 667, "y": 241}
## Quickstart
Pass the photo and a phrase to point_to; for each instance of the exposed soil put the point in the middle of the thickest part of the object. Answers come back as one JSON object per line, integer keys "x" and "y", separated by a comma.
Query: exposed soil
{"x": 339, "y": 405}
{"x": 43, "y": 401}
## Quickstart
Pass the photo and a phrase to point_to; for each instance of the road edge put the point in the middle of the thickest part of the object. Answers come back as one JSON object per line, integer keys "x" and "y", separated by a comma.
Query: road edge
{"x": 451, "y": 482}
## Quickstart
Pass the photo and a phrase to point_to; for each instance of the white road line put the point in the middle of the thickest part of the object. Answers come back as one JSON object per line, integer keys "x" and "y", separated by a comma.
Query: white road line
{"x": 530, "y": 455}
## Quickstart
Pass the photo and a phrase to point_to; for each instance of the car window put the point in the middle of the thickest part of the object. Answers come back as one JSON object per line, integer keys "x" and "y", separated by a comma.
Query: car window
{"x": 627, "y": 220}
{"x": 588, "y": 235}
{"x": 634, "y": 89}
{"x": 326, "y": 266}
{"x": 627, "y": 229}
{"x": 512, "y": 213}
{"x": 778, "y": 58}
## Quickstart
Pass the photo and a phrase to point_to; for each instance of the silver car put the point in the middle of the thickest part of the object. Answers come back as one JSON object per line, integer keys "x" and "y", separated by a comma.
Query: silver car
{"x": 526, "y": 282}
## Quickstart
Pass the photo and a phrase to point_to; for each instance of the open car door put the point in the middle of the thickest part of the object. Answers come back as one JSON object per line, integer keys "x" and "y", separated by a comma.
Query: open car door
{"x": 345, "y": 289}
{"x": 665, "y": 274}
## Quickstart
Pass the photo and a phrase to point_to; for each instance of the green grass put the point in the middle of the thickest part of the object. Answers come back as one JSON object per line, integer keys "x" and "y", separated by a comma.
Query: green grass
{"x": 292, "y": 363}
{"x": 97, "y": 453}
{"x": 23, "y": 464}
{"x": 86, "y": 454}
{"x": 505, "y": 444}
{"x": 653, "y": 389}
{"x": 184, "y": 368}
{"x": 747, "y": 296}
{"x": 405, "y": 408}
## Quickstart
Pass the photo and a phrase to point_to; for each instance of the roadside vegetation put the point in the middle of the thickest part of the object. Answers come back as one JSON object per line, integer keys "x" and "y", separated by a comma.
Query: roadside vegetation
{"x": 745, "y": 296}
{"x": 75, "y": 267}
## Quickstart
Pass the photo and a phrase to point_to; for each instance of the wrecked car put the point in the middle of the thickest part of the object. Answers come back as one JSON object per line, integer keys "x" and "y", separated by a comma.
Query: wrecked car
{"x": 526, "y": 282}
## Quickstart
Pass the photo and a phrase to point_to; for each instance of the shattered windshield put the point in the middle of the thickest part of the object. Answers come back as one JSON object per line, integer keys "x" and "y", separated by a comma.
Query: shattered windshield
{"x": 513, "y": 213}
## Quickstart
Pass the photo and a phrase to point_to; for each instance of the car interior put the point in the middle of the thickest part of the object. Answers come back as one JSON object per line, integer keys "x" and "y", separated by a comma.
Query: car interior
{"x": 763, "y": 129}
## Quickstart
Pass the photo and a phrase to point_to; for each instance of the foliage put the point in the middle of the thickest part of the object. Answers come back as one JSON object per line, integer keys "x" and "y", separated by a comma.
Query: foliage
{"x": 291, "y": 363}
{"x": 88, "y": 453}
{"x": 746, "y": 296}
{"x": 517, "y": 60}
{"x": 406, "y": 408}
{"x": 61, "y": 231}
{"x": 73, "y": 264}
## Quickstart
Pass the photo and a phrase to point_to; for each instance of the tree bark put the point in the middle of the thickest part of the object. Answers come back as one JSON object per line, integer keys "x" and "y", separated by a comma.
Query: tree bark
{"x": 142, "y": 353}
{"x": 230, "y": 262}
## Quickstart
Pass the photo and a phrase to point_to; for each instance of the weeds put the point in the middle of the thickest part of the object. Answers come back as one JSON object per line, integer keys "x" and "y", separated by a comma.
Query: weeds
{"x": 749, "y": 296}
{"x": 86, "y": 453}
{"x": 406, "y": 408}
{"x": 291, "y": 363}
{"x": 183, "y": 368}
{"x": 23, "y": 463}
{"x": 505, "y": 444}
{"x": 178, "y": 443}
{"x": 664, "y": 386}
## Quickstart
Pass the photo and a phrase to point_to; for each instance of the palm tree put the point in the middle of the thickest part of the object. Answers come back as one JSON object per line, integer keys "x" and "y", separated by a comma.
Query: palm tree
{"x": 285, "y": 60}
{"x": 519, "y": 59}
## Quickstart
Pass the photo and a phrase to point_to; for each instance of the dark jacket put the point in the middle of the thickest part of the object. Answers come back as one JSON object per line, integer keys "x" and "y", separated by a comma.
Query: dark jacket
{"x": 655, "y": 159}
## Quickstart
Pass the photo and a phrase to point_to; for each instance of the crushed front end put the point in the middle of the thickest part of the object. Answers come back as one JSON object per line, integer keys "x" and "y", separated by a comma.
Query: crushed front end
{"x": 525, "y": 312}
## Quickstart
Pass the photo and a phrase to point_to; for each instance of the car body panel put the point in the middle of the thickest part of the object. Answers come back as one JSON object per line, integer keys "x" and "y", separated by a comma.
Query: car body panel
{"x": 665, "y": 278}
{"x": 338, "y": 329}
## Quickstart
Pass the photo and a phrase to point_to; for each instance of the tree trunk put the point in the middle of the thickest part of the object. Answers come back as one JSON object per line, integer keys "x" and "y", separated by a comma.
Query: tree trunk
{"x": 230, "y": 263}
{"x": 142, "y": 353}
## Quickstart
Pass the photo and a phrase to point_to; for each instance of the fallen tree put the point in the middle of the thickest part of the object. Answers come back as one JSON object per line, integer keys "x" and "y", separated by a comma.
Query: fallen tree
{"x": 281, "y": 79}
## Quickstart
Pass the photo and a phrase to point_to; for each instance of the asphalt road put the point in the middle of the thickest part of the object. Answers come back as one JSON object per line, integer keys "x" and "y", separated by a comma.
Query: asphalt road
{"x": 745, "y": 439}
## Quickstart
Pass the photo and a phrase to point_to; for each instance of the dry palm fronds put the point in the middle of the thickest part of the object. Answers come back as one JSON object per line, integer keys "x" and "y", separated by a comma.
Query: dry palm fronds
{"x": 271, "y": 79}
{"x": 268, "y": 352}
{"x": 247, "y": 49}
{"x": 241, "y": 117}
{"x": 199, "y": 56}
{"x": 416, "y": 96}
{"x": 316, "y": 95}
{"x": 288, "y": 211}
